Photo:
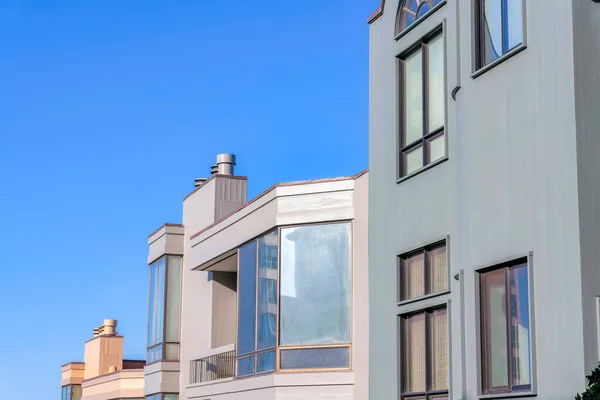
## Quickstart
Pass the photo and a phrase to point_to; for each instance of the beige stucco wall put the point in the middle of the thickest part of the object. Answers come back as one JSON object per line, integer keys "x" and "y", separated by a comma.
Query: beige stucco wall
{"x": 161, "y": 377}
{"x": 121, "y": 384}
{"x": 72, "y": 373}
{"x": 301, "y": 386}
{"x": 168, "y": 239}
{"x": 101, "y": 353}
{"x": 360, "y": 293}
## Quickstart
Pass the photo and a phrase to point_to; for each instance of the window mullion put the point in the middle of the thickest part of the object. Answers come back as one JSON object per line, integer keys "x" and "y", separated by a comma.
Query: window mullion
{"x": 426, "y": 273}
{"x": 504, "y": 25}
{"x": 425, "y": 95}
{"x": 428, "y": 352}
{"x": 509, "y": 330}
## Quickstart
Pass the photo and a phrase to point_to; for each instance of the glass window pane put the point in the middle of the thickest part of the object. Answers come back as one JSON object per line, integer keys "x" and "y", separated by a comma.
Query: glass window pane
{"x": 315, "y": 284}
{"x": 437, "y": 148}
{"x": 436, "y": 89}
{"x": 245, "y": 366}
{"x": 152, "y": 304}
{"x": 68, "y": 392}
{"x": 169, "y": 396}
{"x": 413, "y": 97}
{"x": 494, "y": 338}
{"x": 414, "y": 353}
{"x": 158, "y": 352}
{"x": 438, "y": 365}
{"x": 267, "y": 291}
{"x": 76, "y": 392}
{"x": 519, "y": 308}
{"x": 338, "y": 357}
{"x": 173, "y": 298}
{"x": 492, "y": 30}
{"x": 160, "y": 303}
{"x": 171, "y": 351}
{"x": 413, "y": 160}
{"x": 247, "y": 299}
{"x": 265, "y": 362}
{"x": 514, "y": 23}
{"x": 438, "y": 273}
{"x": 413, "y": 276}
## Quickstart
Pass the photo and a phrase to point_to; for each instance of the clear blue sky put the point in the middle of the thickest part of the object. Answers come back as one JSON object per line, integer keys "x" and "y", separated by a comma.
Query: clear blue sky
{"x": 108, "y": 111}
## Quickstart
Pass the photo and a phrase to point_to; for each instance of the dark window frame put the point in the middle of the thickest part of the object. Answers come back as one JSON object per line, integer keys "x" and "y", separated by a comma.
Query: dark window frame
{"x": 164, "y": 343}
{"x": 485, "y": 356}
{"x": 480, "y": 45}
{"x": 403, "y": 148}
{"x": 401, "y": 259}
{"x": 400, "y": 31}
{"x": 428, "y": 394}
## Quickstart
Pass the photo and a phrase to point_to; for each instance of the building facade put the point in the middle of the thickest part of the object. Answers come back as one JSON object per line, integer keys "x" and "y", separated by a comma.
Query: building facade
{"x": 261, "y": 299}
{"x": 104, "y": 374}
{"x": 484, "y": 196}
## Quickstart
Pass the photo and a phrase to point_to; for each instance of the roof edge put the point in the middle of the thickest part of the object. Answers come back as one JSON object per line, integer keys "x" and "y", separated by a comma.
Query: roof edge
{"x": 377, "y": 13}
{"x": 164, "y": 226}
{"x": 270, "y": 189}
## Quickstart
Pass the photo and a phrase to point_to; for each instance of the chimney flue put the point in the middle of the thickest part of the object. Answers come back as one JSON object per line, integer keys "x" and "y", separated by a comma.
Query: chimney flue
{"x": 225, "y": 164}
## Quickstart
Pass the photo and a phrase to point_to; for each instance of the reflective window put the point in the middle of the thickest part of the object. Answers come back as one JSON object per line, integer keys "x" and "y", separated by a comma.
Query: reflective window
{"x": 505, "y": 337}
{"x": 316, "y": 358}
{"x": 411, "y": 11}
{"x": 71, "y": 392}
{"x": 315, "y": 285}
{"x": 247, "y": 299}
{"x": 164, "y": 312}
{"x": 258, "y": 296}
{"x": 423, "y": 106}
{"x": 499, "y": 28}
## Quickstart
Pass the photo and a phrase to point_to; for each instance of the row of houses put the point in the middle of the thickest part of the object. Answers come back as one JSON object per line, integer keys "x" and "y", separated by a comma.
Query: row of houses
{"x": 464, "y": 264}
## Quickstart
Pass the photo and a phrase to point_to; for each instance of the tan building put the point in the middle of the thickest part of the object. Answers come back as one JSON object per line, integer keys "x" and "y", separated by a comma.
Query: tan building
{"x": 262, "y": 299}
{"x": 103, "y": 375}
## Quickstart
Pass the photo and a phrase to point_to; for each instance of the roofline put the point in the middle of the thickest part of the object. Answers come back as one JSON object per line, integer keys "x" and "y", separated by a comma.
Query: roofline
{"x": 377, "y": 13}
{"x": 164, "y": 226}
{"x": 284, "y": 184}
{"x": 73, "y": 362}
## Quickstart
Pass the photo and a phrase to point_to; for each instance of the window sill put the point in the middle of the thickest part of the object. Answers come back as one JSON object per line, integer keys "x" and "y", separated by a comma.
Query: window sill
{"x": 507, "y": 395}
{"x": 418, "y": 21}
{"x": 421, "y": 298}
{"x": 423, "y": 169}
{"x": 499, "y": 60}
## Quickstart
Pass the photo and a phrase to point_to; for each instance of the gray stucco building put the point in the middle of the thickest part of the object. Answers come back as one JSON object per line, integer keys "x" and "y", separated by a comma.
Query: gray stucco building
{"x": 484, "y": 198}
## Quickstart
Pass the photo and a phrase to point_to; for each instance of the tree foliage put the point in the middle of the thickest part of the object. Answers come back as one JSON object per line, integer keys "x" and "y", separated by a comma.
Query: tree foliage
{"x": 593, "y": 390}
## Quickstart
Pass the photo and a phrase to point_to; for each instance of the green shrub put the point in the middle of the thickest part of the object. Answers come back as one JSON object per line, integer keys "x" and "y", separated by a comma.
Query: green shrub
{"x": 593, "y": 390}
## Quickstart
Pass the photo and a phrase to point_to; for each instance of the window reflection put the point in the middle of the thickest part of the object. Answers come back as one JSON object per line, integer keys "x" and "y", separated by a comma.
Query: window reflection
{"x": 502, "y": 28}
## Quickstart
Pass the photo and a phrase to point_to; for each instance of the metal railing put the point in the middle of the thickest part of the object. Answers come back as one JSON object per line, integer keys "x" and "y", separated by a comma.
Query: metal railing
{"x": 212, "y": 368}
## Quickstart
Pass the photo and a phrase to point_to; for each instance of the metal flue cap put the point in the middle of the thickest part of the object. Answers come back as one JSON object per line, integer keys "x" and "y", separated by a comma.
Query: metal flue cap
{"x": 225, "y": 164}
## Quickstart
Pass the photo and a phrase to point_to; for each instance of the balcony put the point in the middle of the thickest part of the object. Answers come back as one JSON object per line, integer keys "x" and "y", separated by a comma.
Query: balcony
{"x": 218, "y": 365}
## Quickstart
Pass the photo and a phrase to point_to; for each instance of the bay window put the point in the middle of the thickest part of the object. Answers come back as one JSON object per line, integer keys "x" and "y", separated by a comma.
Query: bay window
{"x": 71, "y": 392}
{"x": 164, "y": 309}
{"x": 294, "y": 300}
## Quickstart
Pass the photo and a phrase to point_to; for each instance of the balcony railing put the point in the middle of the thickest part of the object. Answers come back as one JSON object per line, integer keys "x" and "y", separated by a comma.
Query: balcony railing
{"x": 213, "y": 367}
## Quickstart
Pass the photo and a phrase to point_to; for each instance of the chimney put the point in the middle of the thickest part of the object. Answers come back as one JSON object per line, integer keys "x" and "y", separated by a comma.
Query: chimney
{"x": 110, "y": 327}
{"x": 224, "y": 166}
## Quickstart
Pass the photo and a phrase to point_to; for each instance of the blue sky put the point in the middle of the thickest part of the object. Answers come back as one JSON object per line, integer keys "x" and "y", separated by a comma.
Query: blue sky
{"x": 109, "y": 110}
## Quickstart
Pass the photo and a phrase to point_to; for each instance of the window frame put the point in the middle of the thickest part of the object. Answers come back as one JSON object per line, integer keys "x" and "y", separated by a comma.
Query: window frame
{"x": 400, "y": 259}
{"x": 279, "y": 348}
{"x": 398, "y": 32}
{"x": 518, "y": 261}
{"x": 427, "y": 394}
{"x": 479, "y": 66}
{"x": 403, "y": 148}
{"x": 164, "y": 343}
